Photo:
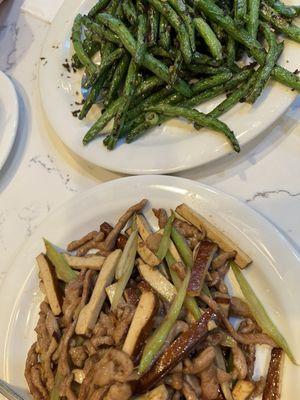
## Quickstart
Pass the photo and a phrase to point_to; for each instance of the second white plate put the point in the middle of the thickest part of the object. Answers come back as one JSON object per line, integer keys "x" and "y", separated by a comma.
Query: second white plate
{"x": 172, "y": 147}
{"x": 274, "y": 273}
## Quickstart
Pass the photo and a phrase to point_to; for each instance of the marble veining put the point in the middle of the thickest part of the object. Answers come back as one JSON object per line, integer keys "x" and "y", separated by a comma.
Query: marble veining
{"x": 47, "y": 163}
{"x": 268, "y": 193}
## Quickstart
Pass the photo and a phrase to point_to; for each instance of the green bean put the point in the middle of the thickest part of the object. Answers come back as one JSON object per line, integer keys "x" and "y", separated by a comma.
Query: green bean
{"x": 141, "y": 39}
{"x": 153, "y": 99}
{"x": 90, "y": 47}
{"x": 102, "y": 121}
{"x": 253, "y": 17}
{"x": 165, "y": 240}
{"x": 149, "y": 62}
{"x": 189, "y": 302}
{"x": 92, "y": 96}
{"x": 78, "y": 46}
{"x": 212, "y": 81}
{"x": 62, "y": 269}
{"x": 203, "y": 59}
{"x": 234, "y": 98}
{"x": 129, "y": 88}
{"x": 209, "y": 37}
{"x": 171, "y": 16}
{"x": 118, "y": 77}
{"x": 105, "y": 64}
{"x": 240, "y": 10}
{"x": 207, "y": 70}
{"x": 265, "y": 71}
{"x": 281, "y": 24}
{"x": 161, "y": 52}
{"x": 156, "y": 341}
{"x": 181, "y": 9}
{"x": 174, "y": 69}
{"x": 153, "y": 24}
{"x": 200, "y": 119}
{"x": 137, "y": 127}
{"x": 146, "y": 87}
{"x": 219, "y": 31}
{"x": 129, "y": 11}
{"x": 164, "y": 33}
{"x": 231, "y": 52}
{"x": 137, "y": 119}
{"x": 100, "y": 31}
{"x": 99, "y": 6}
{"x": 213, "y": 12}
{"x": 286, "y": 11}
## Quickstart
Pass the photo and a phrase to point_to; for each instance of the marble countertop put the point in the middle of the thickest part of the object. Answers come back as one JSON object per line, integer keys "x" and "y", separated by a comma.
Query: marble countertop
{"x": 42, "y": 173}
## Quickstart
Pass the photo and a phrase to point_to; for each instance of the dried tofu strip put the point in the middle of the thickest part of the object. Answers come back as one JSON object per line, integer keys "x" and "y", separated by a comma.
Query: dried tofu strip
{"x": 146, "y": 254}
{"x": 50, "y": 283}
{"x": 226, "y": 244}
{"x": 90, "y": 262}
{"x": 143, "y": 314}
{"x": 158, "y": 282}
{"x": 90, "y": 312}
{"x": 143, "y": 226}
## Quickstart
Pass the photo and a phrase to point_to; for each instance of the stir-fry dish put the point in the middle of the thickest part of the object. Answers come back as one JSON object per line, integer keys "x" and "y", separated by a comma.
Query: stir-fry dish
{"x": 135, "y": 313}
{"x": 162, "y": 58}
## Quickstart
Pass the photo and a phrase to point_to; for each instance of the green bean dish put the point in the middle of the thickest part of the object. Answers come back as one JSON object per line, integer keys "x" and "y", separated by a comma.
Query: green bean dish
{"x": 162, "y": 58}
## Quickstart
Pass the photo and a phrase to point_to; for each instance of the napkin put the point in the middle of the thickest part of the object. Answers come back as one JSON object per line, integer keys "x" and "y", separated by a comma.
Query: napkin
{"x": 43, "y": 9}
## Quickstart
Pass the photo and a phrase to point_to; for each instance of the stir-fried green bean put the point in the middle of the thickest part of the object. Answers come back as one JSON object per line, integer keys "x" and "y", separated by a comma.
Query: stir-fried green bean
{"x": 154, "y": 65}
{"x": 118, "y": 77}
{"x": 171, "y": 16}
{"x": 278, "y": 22}
{"x": 129, "y": 11}
{"x": 153, "y": 24}
{"x": 286, "y": 11}
{"x": 174, "y": 45}
{"x": 141, "y": 39}
{"x": 78, "y": 46}
{"x": 200, "y": 119}
{"x": 130, "y": 84}
{"x": 182, "y": 10}
{"x": 265, "y": 70}
{"x": 209, "y": 37}
{"x": 253, "y": 17}
{"x": 164, "y": 33}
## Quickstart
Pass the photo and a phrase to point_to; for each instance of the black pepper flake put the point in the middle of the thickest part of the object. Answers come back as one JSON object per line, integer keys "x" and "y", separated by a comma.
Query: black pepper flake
{"x": 293, "y": 89}
{"x": 296, "y": 72}
{"x": 77, "y": 93}
{"x": 66, "y": 65}
{"x": 46, "y": 62}
{"x": 80, "y": 103}
{"x": 55, "y": 46}
{"x": 42, "y": 58}
{"x": 75, "y": 113}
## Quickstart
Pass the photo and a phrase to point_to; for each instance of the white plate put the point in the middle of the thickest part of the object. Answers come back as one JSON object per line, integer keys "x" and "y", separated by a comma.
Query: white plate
{"x": 172, "y": 147}
{"x": 9, "y": 117}
{"x": 274, "y": 273}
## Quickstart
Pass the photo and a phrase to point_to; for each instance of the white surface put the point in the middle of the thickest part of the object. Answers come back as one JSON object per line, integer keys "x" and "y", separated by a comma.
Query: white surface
{"x": 41, "y": 173}
{"x": 9, "y": 117}
{"x": 43, "y": 9}
{"x": 273, "y": 281}
{"x": 173, "y": 146}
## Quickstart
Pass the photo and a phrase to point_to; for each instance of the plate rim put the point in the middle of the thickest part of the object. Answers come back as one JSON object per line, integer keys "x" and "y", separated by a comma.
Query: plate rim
{"x": 10, "y": 135}
{"x": 175, "y": 165}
